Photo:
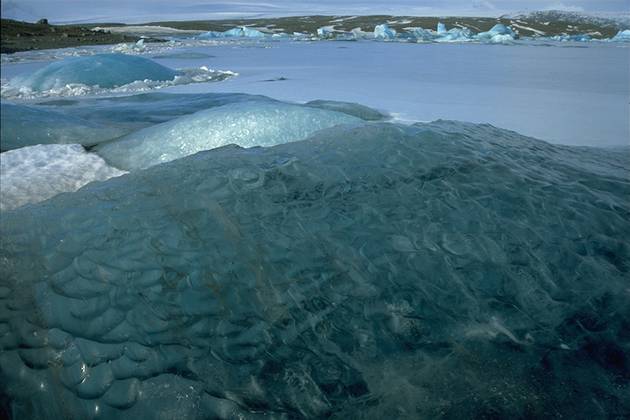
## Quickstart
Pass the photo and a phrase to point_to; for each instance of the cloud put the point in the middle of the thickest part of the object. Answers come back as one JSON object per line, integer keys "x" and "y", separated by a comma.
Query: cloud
{"x": 483, "y": 5}
{"x": 564, "y": 7}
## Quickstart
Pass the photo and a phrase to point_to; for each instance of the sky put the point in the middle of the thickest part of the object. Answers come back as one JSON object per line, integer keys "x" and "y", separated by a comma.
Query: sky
{"x": 130, "y": 11}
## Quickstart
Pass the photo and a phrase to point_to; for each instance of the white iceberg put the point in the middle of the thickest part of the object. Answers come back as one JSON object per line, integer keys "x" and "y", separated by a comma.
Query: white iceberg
{"x": 441, "y": 28}
{"x": 238, "y": 32}
{"x": 499, "y": 33}
{"x": 325, "y": 32}
{"x": 383, "y": 31}
{"x": 622, "y": 36}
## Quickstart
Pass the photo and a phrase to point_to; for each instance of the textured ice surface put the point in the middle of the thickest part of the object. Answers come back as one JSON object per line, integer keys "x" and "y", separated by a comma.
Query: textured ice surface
{"x": 143, "y": 110}
{"x": 247, "y": 124}
{"x": 325, "y": 31}
{"x": 383, "y": 31}
{"x": 356, "y": 110}
{"x": 441, "y": 270}
{"x": 36, "y": 173}
{"x": 104, "y": 70}
{"x": 23, "y": 125}
{"x": 441, "y": 28}
{"x": 104, "y": 73}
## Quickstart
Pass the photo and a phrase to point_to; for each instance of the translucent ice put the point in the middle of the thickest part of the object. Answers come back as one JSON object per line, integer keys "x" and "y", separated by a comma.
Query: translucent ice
{"x": 441, "y": 28}
{"x": 499, "y": 33}
{"x": 441, "y": 270}
{"x": 622, "y": 36}
{"x": 23, "y": 125}
{"x": 356, "y": 110}
{"x": 455, "y": 35}
{"x": 325, "y": 32}
{"x": 257, "y": 123}
{"x": 383, "y": 31}
{"x": 238, "y": 32}
{"x": 104, "y": 70}
{"x": 36, "y": 173}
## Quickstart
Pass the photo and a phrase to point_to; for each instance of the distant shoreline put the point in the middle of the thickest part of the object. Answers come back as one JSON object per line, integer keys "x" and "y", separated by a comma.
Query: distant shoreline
{"x": 23, "y": 36}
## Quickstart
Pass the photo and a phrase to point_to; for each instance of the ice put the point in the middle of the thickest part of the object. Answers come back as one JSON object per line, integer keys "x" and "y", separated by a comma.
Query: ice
{"x": 499, "y": 33}
{"x": 421, "y": 34}
{"x": 356, "y": 110}
{"x": 23, "y": 125}
{"x": 441, "y": 28}
{"x": 325, "y": 31}
{"x": 238, "y": 32}
{"x": 247, "y": 124}
{"x": 351, "y": 275}
{"x": 20, "y": 87}
{"x": 383, "y": 31}
{"x": 456, "y": 35}
{"x": 622, "y": 36}
{"x": 36, "y": 173}
{"x": 103, "y": 70}
{"x": 570, "y": 38}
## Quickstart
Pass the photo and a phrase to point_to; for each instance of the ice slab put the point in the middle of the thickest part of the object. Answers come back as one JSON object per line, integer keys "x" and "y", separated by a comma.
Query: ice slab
{"x": 247, "y": 124}
{"x": 238, "y": 32}
{"x": 36, "y": 173}
{"x": 372, "y": 263}
{"x": 22, "y": 125}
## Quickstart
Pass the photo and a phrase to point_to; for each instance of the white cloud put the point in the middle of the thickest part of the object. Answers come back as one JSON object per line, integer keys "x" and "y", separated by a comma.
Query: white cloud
{"x": 564, "y": 7}
{"x": 483, "y": 5}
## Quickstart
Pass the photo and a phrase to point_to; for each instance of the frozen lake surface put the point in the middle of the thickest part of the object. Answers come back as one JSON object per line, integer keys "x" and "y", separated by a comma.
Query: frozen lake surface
{"x": 192, "y": 253}
{"x": 568, "y": 94}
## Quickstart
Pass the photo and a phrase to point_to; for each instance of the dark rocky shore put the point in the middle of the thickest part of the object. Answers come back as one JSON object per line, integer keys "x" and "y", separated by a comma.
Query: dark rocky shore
{"x": 23, "y": 36}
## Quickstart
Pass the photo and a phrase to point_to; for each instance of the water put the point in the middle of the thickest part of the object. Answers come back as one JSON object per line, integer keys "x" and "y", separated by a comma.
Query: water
{"x": 366, "y": 266}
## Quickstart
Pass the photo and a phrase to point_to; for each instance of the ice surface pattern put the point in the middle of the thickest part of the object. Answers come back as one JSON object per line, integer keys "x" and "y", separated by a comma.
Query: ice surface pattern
{"x": 442, "y": 270}
{"x": 23, "y": 125}
{"x": 247, "y": 124}
{"x": 35, "y": 173}
{"x": 103, "y": 73}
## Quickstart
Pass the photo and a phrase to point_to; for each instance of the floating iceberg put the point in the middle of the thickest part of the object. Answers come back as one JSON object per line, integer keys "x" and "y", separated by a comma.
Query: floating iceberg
{"x": 238, "y": 32}
{"x": 257, "y": 123}
{"x": 441, "y": 28}
{"x": 36, "y": 173}
{"x": 383, "y": 31}
{"x": 622, "y": 36}
{"x": 344, "y": 276}
{"x": 570, "y": 38}
{"x": 456, "y": 35}
{"x": 499, "y": 33}
{"x": 420, "y": 34}
{"x": 103, "y": 70}
{"x": 326, "y": 32}
{"x": 23, "y": 125}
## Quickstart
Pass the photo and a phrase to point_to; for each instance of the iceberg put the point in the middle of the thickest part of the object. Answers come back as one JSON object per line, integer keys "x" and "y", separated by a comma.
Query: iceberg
{"x": 571, "y": 38}
{"x": 499, "y": 33}
{"x": 23, "y": 125}
{"x": 306, "y": 279}
{"x": 248, "y": 124}
{"x": 441, "y": 28}
{"x": 325, "y": 32}
{"x": 36, "y": 173}
{"x": 419, "y": 34}
{"x": 622, "y": 36}
{"x": 383, "y": 31}
{"x": 103, "y": 70}
{"x": 456, "y": 35}
{"x": 238, "y": 32}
